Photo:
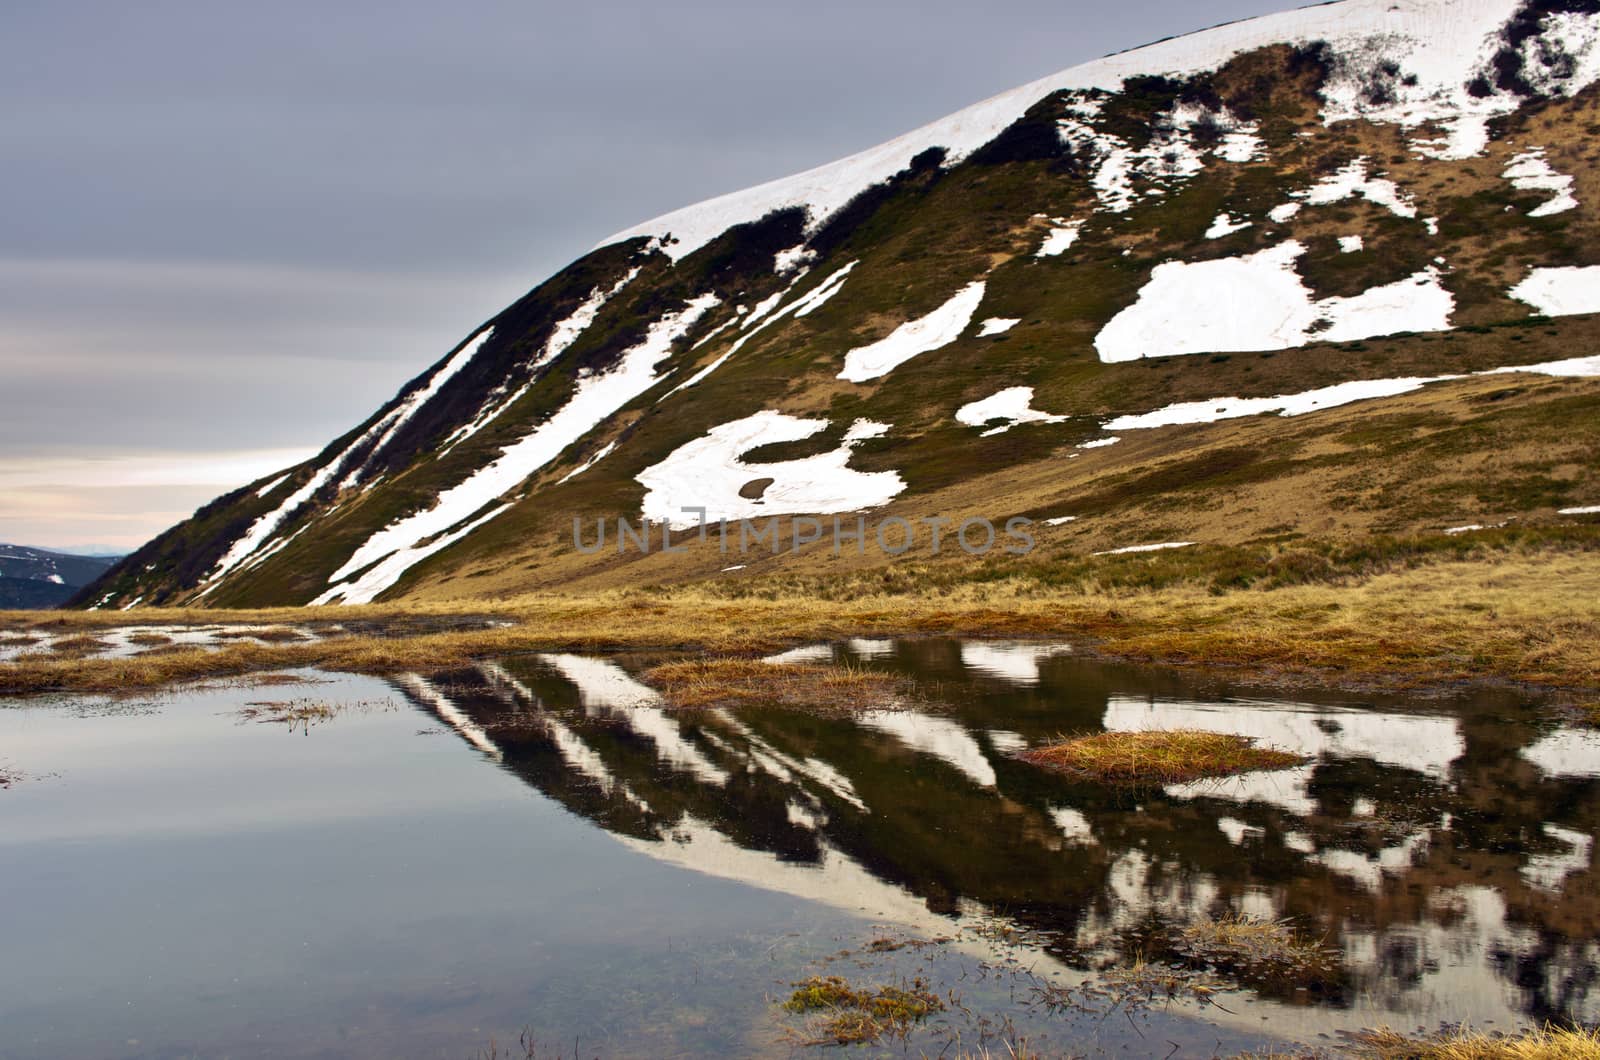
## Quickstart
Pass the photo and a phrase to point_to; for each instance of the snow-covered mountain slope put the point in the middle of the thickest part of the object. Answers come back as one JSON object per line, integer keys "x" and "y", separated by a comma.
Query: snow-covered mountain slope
{"x": 36, "y": 578}
{"x": 1440, "y": 48}
{"x": 1368, "y": 208}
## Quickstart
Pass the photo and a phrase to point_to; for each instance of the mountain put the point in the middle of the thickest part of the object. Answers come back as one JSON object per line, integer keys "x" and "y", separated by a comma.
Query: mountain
{"x": 1312, "y": 276}
{"x": 34, "y": 578}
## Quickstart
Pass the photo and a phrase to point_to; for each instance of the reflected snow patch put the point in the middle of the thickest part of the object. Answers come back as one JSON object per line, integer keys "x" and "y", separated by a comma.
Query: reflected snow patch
{"x": 1015, "y": 663}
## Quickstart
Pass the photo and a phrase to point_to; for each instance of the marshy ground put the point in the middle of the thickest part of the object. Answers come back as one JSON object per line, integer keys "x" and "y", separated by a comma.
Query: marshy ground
{"x": 1496, "y": 607}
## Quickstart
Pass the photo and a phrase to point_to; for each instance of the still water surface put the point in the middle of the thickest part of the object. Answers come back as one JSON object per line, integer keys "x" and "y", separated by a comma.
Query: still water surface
{"x": 536, "y": 843}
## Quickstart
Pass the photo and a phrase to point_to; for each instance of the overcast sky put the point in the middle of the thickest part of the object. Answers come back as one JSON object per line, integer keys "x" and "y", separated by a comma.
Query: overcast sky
{"x": 230, "y": 231}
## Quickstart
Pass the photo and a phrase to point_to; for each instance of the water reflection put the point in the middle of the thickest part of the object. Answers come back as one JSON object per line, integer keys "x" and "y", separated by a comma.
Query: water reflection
{"x": 1447, "y": 851}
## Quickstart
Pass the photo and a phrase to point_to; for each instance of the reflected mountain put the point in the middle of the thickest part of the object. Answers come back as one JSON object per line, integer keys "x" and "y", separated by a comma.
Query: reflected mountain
{"x": 1445, "y": 850}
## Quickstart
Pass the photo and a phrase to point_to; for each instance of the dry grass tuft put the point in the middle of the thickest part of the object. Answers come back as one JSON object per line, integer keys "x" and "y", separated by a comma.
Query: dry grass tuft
{"x": 1546, "y": 1044}
{"x": 1249, "y": 938}
{"x": 1167, "y": 756}
{"x": 1251, "y": 950}
{"x": 847, "y": 1015}
{"x": 828, "y": 689}
{"x": 78, "y": 647}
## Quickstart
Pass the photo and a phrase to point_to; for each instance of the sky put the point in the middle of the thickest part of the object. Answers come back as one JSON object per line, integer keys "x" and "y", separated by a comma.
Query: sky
{"x": 231, "y": 231}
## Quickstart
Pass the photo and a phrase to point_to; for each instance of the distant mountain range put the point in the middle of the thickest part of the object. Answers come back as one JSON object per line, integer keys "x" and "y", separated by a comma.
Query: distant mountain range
{"x": 34, "y": 578}
{"x": 1323, "y": 274}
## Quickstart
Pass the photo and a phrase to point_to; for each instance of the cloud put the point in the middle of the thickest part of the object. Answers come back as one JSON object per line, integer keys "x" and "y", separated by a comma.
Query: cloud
{"x": 121, "y": 500}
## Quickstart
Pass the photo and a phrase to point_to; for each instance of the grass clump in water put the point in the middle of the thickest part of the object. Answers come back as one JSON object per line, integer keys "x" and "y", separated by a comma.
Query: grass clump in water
{"x": 828, "y": 689}
{"x": 78, "y": 647}
{"x": 1252, "y": 941}
{"x": 1165, "y": 756}
{"x": 1269, "y": 956}
{"x": 848, "y": 1015}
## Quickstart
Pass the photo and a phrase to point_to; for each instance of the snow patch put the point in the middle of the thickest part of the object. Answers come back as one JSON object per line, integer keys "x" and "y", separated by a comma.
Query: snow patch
{"x": 1351, "y": 244}
{"x": 1161, "y": 547}
{"x": 1328, "y": 397}
{"x": 817, "y": 297}
{"x": 936, "y": 330}
{"x": 1228, "y": 408}
{"x": 787, "y": 261}
{"x": 1172, "y": 156}
{"x": 1354, "y": 181}
{"x": 1061, "y": 237}
{"x": 997, "y": 326}
{"x": 391, "y": 424}
{"x": 709, "y": 473}
{"x": 1571, "y": 368}
{"x": 1013, "y": 405}
{"x": 587, "y": 464}
{"x": 1225, "y": 225}
{"x": 594, "y": 398}
{"x": 565, "y": 333}
{"x": 1561, "y": 291}
{"x": 274, "y": 484}
{"x": 1530, "y": 171}
{"x": 1258, "y": 302}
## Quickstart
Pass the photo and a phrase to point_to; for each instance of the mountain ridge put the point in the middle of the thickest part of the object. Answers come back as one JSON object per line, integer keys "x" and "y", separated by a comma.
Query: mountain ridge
{"x": 34, "y": 578}
{"x": 993, "y": 304}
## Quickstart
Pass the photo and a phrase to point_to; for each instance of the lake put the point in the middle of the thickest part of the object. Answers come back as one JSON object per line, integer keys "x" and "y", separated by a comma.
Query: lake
{"x": 326, "y": 865}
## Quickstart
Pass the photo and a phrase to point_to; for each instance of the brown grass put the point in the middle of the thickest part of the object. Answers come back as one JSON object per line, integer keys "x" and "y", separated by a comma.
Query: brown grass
{"x": 78, "y": 647}
{"x": 1167, "y": 756}
{"x": 1252, "y": 939}
{"x": 1546, "y": 1044}
{"x": 1510, "y": 617}
{"x": 726, "y": 682}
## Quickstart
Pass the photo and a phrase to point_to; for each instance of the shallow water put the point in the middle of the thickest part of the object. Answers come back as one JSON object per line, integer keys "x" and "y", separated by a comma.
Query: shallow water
{"x": 536, "y": 843}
